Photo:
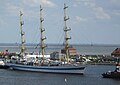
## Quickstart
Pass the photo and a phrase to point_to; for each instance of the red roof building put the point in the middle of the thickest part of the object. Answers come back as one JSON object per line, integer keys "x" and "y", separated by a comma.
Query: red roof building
{"x": 72, "y": 51}
{"x": 116, "y": 52}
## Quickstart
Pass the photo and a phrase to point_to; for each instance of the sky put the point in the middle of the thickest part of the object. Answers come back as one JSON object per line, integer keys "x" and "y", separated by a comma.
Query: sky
{"x": 91, "y": 21}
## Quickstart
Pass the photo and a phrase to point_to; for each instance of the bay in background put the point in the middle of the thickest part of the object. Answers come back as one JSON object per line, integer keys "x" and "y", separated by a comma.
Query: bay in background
{"x": 83, "y": 49}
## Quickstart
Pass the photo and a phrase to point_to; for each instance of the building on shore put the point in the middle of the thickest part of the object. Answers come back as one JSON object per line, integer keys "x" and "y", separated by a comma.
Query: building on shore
{"x": 116, "y": 53}
{"x": 71, "y": 51}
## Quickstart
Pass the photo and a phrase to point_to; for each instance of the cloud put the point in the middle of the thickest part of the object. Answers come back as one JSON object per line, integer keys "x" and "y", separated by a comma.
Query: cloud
{"x": 116, "y": 12}
{"x": 31, "y": 14}
{"x": 34, "y": 3}
{"x": 115, "y": 1}
{"x": 1, "y": 22}
{"x": 12, "y": 9}
{"x": 80, "y": 19}
{"x": 99, "y": 12}
{"x": 78, "y": 2}
{"x": 29, "y": 8}
{"x": 47, "y": 3}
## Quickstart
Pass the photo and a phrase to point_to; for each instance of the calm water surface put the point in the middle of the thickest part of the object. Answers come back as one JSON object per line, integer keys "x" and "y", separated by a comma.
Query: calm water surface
{"x": 92, "y": 77}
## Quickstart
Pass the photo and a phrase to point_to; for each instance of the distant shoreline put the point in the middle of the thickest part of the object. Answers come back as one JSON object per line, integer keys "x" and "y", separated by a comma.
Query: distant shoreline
{"x": 82, "y": 49}
{"x": 55, "y": 44}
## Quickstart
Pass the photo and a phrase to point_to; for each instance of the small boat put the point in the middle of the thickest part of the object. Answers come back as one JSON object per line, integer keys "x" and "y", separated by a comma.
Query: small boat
{"x": 42, "y": 67}
{"x": 113, "y": 74}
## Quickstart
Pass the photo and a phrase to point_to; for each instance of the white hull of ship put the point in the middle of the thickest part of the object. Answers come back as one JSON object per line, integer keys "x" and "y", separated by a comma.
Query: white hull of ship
{"x": 49, "y": 69}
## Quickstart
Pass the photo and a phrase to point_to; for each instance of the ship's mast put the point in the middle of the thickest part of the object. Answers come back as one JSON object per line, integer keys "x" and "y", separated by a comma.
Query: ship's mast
{"x": 66, "y": 32}
{"x": 22, "y": 36}
{"x": 42, "y": 34}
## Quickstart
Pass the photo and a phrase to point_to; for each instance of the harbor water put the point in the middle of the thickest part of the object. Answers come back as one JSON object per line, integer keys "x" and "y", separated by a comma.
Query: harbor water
{"x": 92, "y": 76}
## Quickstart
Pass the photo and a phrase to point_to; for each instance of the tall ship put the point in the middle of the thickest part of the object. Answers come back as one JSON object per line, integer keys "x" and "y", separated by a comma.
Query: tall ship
{"x": 41, "y": 66}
